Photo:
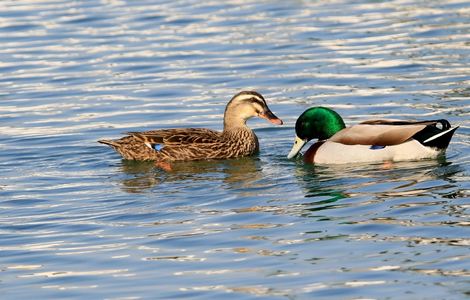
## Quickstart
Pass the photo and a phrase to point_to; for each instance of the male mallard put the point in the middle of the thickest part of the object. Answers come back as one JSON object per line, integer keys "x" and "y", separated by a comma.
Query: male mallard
{"x": 167, "y": 145}
{"x": 369, "y": 141}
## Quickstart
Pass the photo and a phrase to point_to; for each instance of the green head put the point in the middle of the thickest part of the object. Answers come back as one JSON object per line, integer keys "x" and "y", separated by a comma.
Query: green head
{"x": 316, "y": 122}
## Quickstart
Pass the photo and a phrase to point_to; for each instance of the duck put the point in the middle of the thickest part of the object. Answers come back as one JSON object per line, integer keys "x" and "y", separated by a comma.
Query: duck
{"x": 165, "y": 146}
{"x": 369, "y": 141}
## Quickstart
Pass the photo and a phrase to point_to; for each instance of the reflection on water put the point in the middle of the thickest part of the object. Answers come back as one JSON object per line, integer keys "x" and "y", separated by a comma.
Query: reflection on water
{"x": 239, "y": 173}
{"x": 141, "y": 176}
{"x": 329, "y": 185}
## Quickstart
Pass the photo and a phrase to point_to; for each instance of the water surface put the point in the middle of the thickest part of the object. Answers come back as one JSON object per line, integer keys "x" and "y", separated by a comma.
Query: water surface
{"x": 77, "y": 222}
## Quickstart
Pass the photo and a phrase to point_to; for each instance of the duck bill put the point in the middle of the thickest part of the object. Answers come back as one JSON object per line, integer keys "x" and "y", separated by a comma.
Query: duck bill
{"x": 268, "y": 115}
{"x": 298, "y": 144}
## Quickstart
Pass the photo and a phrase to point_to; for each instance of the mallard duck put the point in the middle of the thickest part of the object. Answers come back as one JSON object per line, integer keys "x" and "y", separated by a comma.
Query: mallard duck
{"x": 369, "y": 141}
{"x": 185, "y": 144}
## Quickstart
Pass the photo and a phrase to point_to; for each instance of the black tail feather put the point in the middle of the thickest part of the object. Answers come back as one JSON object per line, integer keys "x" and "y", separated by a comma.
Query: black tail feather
{"x": 439, "y": 138}
{"x": 445, "y": 124}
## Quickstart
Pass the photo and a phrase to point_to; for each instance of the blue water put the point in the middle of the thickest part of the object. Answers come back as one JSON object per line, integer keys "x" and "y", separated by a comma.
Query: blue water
{"x": 77, "y": 222}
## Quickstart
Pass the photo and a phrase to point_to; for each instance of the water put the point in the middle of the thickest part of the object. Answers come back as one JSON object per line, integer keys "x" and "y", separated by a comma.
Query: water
{"x": 78, "y": 222}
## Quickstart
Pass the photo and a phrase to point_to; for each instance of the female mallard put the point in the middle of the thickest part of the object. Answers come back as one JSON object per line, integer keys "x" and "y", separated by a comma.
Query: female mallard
{"x": 167, "y": 145}
{"x": 369, "y": 141}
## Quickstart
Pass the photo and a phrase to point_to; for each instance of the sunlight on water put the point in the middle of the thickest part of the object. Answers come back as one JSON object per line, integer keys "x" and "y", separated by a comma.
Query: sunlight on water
{"x": 78, "y": 222}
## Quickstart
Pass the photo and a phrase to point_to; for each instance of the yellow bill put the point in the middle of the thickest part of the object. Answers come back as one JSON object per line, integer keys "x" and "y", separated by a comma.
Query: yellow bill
{"x": 298, "y": 144}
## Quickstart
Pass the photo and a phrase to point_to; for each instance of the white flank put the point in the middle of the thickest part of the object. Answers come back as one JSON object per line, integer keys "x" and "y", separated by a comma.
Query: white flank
{"x": 337, "y": 153}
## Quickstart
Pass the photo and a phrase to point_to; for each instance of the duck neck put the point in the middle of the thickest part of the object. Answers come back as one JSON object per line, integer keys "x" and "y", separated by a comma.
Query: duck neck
{"x": 236, "y": 128}
{"x": 234, "y": 123}
{"x": 242, "y": 136}
{"x": 233, "y": 130}
{"x": 330, "y": 128}
{"x": 237, "y": 133}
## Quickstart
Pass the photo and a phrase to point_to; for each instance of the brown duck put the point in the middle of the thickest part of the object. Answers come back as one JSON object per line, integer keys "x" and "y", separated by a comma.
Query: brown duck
{"x": 168, "y": 145}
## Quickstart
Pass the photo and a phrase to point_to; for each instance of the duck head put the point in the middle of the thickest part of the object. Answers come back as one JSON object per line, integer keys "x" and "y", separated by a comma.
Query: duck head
{"x": 315, "y": 123}
{"x": 246, "y": 105}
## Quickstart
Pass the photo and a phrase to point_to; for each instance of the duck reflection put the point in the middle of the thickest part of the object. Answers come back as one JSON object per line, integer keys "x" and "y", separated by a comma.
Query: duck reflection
{"x": 373, "y": 182}
{"x": 140, "y": 175}
{"x": 236, "y": 173}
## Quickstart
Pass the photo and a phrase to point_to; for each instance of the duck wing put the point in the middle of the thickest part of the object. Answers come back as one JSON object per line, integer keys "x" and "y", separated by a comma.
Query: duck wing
{"x": 186, "y": 144}
{"x": 386, "y": 132}
{"x": 178, "y": 137}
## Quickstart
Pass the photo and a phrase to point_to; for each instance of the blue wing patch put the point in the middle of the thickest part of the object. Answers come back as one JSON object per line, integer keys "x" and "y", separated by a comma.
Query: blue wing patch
{"x": 157, "y": 147}
{"x": 376, "y": 147}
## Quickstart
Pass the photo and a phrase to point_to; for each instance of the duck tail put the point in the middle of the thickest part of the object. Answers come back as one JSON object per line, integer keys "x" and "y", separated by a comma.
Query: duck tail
{"x": 109, "y": 143}
{"x": 434, "y": 136}
{"x": 440, "y": 140}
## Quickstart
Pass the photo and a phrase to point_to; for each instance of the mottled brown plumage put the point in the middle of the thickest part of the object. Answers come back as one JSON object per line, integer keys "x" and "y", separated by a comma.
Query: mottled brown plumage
{"x": 200, "y": 143}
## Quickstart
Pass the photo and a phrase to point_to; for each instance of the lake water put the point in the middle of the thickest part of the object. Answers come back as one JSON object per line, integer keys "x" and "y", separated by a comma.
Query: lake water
{"x": 77, "y": 222}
